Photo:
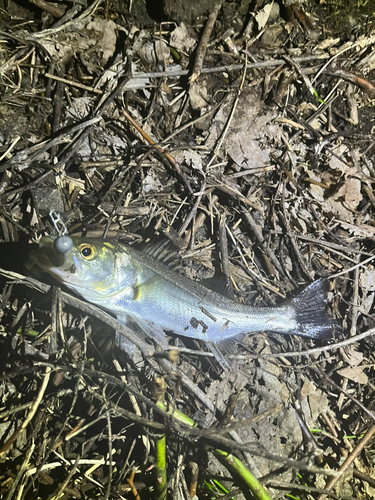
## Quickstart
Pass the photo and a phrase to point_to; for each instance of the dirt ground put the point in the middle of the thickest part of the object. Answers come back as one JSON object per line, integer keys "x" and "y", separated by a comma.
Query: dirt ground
{"x": 242, "y": 133}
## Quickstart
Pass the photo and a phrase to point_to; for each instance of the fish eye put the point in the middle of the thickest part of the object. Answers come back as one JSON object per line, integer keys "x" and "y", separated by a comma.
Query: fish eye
{"x": 87, "y": 251}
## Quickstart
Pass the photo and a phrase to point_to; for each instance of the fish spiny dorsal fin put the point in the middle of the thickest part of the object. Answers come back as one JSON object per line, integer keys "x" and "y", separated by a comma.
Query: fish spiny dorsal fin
{"x": 162, "y": 251}
{"x": 165, "y": 251}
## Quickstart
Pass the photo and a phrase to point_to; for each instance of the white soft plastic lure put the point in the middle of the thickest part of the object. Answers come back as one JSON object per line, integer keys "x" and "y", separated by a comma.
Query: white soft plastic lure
{"x": 130, "y": 283}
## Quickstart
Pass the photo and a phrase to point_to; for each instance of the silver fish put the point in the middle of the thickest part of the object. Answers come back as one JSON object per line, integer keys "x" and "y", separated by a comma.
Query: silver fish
{"x": 132, "y": 284}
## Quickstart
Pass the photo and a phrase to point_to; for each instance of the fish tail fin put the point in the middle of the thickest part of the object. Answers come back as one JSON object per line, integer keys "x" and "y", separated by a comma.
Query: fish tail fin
{"x": 312, "y": 317}
{"x": 311, "y": 314}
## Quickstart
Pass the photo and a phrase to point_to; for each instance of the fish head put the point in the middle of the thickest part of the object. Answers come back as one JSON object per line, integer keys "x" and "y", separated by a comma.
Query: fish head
{"x": 95, "y": 269}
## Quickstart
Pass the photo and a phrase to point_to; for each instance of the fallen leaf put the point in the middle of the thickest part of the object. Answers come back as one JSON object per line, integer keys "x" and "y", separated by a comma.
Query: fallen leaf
{"x": 354, "y": 373}
{"x": 367, "y": 279}
{"x": 263, "y": 15}
{"x": 352, "y": 356}
{"x": 360, "y": 231}
{"x": 351, "y": 192}
{"x": 193, "y": 159}
{"x": 181, "y": 40}
{"x": 198, "y": 96}
{"x": 108, "y": 38}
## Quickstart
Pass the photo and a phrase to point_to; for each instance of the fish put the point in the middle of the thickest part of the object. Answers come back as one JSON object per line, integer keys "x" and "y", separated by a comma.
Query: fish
{"x": 135, "y": 286}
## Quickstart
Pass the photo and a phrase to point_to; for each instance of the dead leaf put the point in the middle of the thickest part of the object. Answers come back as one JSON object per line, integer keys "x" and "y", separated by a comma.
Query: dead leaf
{"x": 107, "y": 39}
{"x": 318, "y": 403}
{"x": 193, "y": 159}
{"x": 354, "y": 373}
{"x": 360, "y": 231}
{"x": 151, "y": 183}
{"x": 198, "y": 95}
{"x": 336, "y": 164}
{"x": 79, "y": 108}
{"x": 367, "y": 279}
{"x": 162, "y": 52}
{"x": 181, "y": 40}
{"x": 263, "y": 15}
{"x": 351, "y": 192}
{"x": 307, "y": 389}
{"x": 352, "y": 356}
{"x": 250, "y": 128}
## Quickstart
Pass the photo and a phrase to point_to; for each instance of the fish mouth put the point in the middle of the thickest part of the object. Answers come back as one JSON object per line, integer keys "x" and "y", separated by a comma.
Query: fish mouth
{"x": 47, "y": 258}
{"x": 68, "y": 270}
{"x": 64, "y": 267}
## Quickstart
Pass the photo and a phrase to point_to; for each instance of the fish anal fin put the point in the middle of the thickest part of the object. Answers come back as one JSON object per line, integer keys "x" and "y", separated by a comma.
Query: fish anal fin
{"x": 226, "y": 349}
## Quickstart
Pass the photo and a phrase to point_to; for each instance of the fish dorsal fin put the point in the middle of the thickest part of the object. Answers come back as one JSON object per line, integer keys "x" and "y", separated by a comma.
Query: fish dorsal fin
{"x": 219, "y": 283}
{"x": 163, "y": 251}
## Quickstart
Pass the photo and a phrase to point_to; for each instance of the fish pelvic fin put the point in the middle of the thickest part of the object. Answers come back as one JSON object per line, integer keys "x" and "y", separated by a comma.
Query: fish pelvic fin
{"x": 151, "y": 330}
{"x": 311, "y": 314}
{"x": 142, "y": 328}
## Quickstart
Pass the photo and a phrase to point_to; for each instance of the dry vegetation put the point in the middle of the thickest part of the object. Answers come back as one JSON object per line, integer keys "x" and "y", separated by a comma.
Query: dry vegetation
{"x": 246, "y": 139}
